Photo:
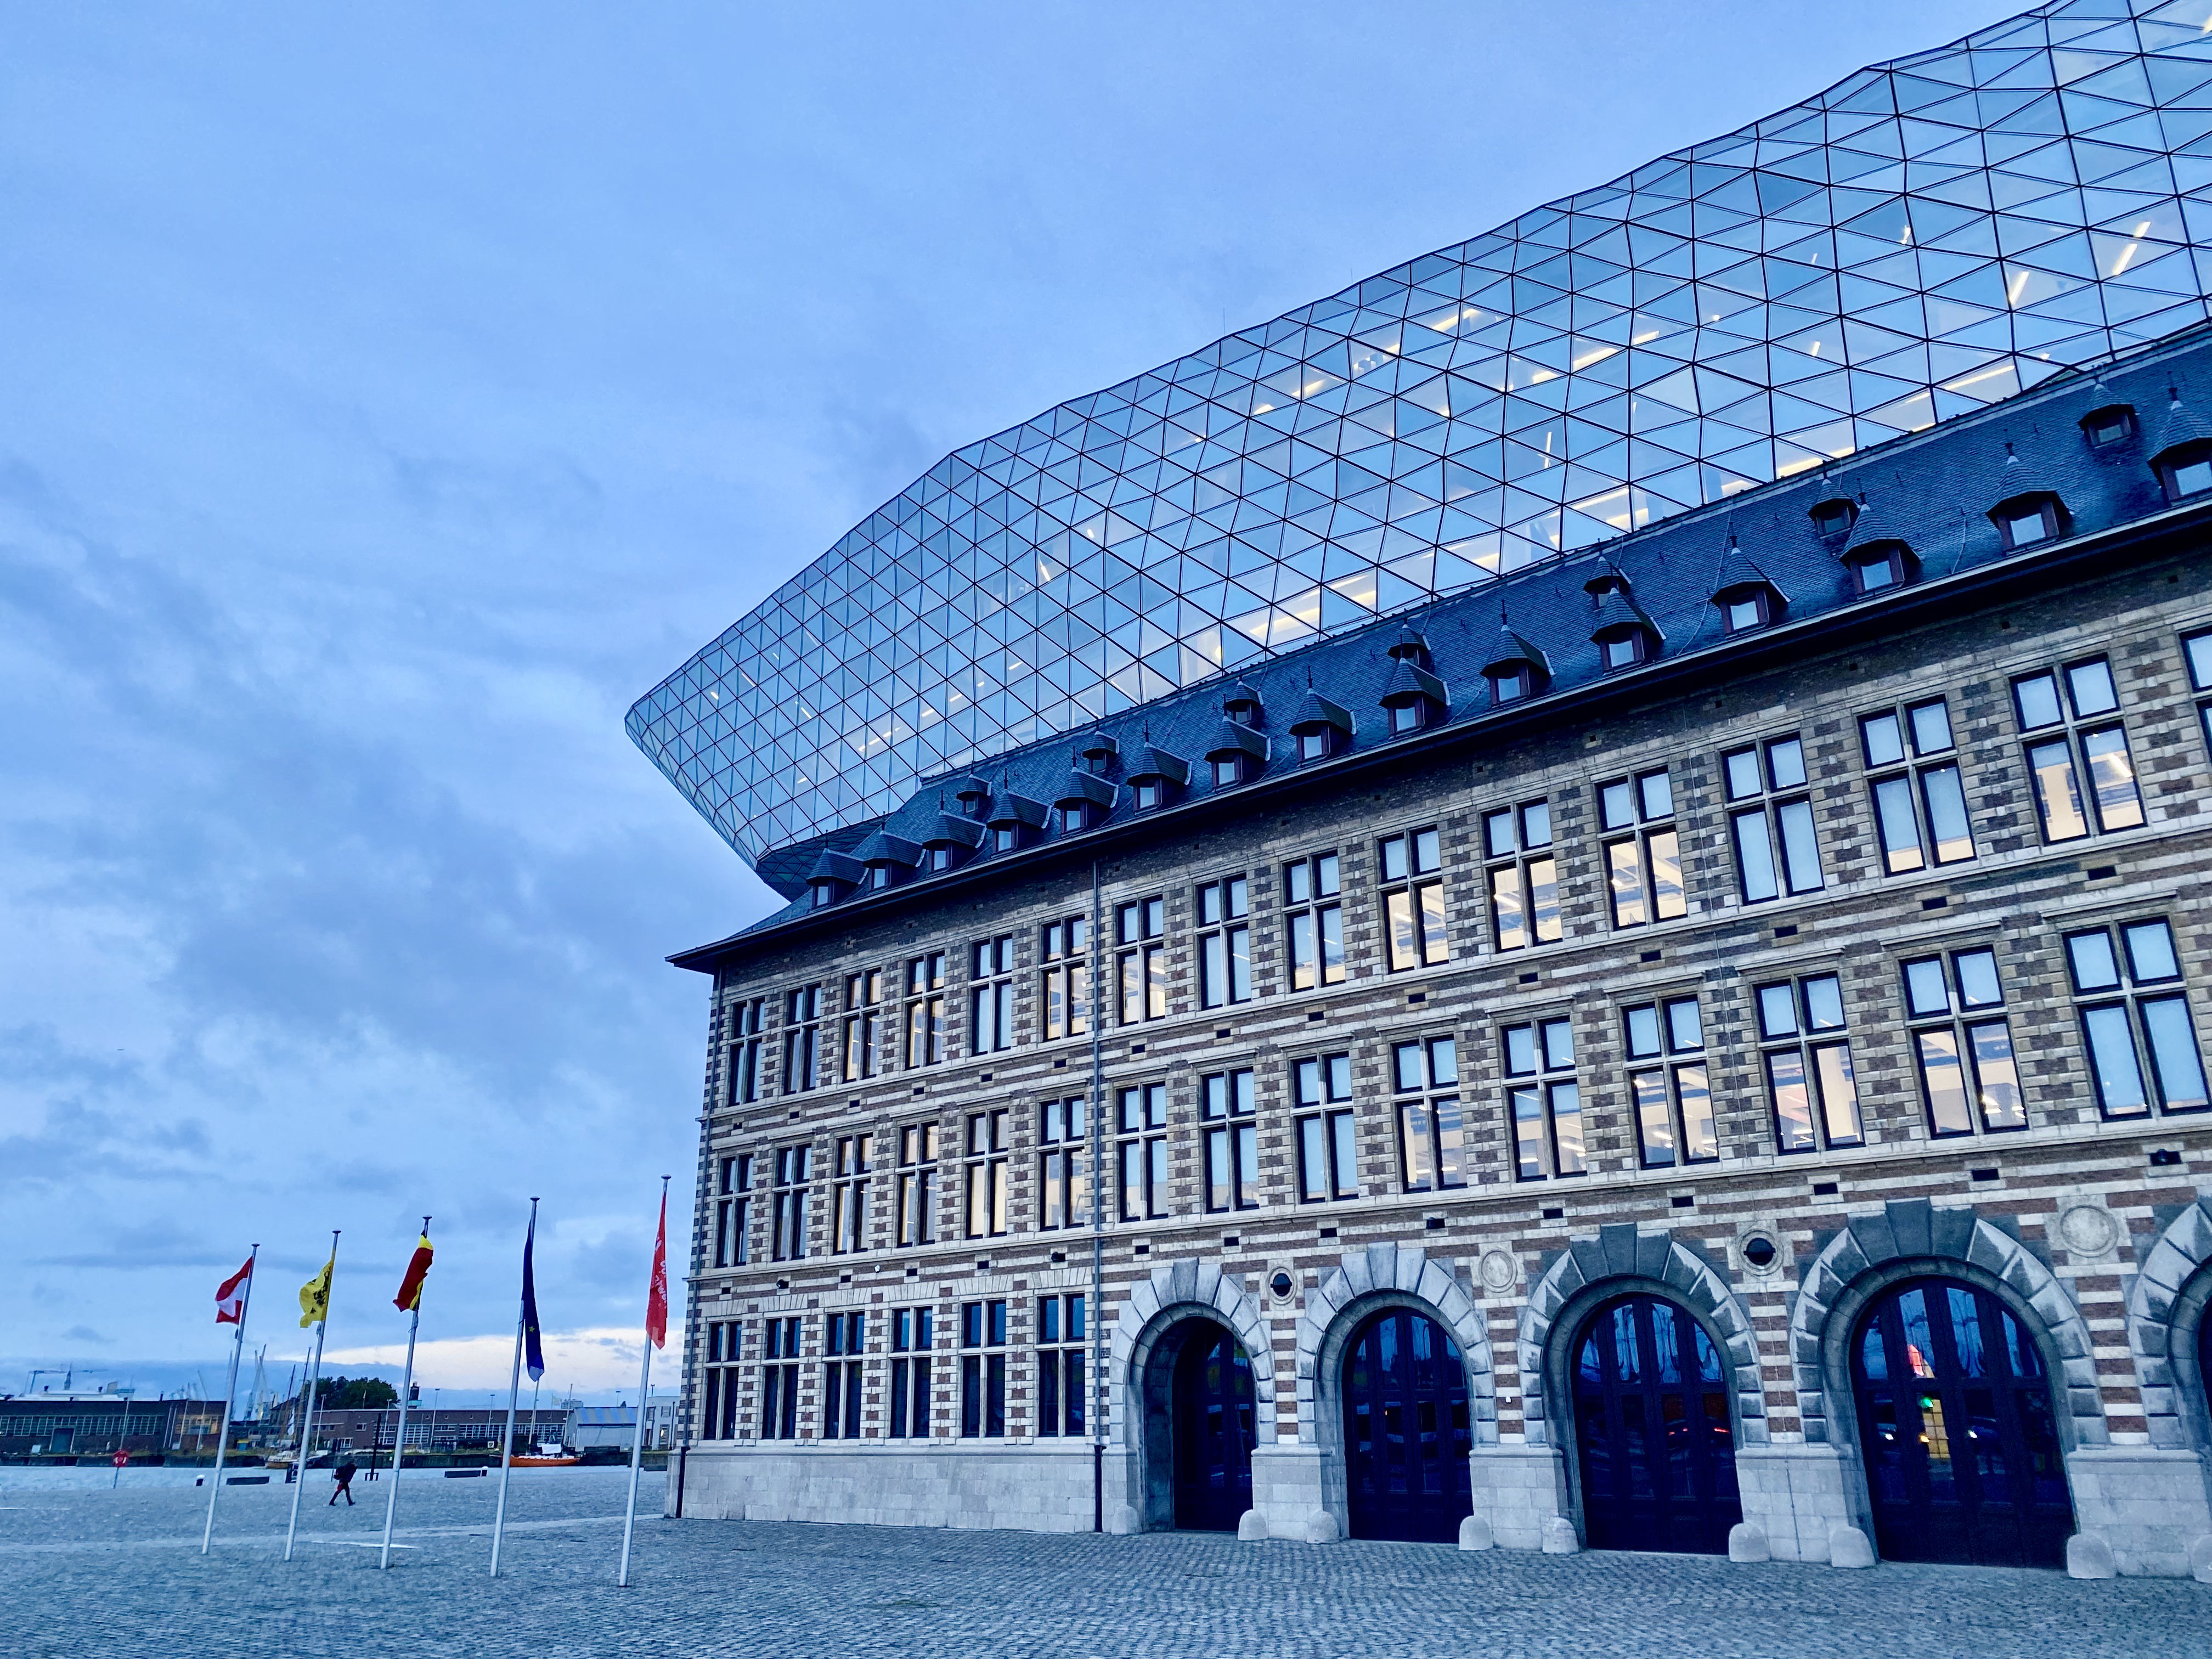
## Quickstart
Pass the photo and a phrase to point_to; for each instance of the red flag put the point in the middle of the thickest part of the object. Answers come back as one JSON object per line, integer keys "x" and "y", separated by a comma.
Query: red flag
{"x": 656, "y": 1300}
{"x": 411, "y": 1285}
{"x": 230, "y": 1295}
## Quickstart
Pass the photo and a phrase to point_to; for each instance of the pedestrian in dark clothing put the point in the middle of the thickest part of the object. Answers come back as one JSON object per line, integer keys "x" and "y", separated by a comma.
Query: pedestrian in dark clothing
{"x": 344, "y": 1475}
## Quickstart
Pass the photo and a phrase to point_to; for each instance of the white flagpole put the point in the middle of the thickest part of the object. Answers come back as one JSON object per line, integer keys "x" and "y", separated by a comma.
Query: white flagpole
{"x": 222, "y": 1428}
{"x": 507, "y": 1446}
{"x": 400, "y": 1440}
{"x": 637, "y": 1435}
{"x": 308, "y": 1420}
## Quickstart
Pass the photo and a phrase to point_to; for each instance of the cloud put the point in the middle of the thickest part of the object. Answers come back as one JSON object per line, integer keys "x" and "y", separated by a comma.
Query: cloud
{"x": 86, "y": 1333}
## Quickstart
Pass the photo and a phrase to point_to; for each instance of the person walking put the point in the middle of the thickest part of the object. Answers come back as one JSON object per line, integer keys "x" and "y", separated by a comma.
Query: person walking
{"x": 343, "y": 1475}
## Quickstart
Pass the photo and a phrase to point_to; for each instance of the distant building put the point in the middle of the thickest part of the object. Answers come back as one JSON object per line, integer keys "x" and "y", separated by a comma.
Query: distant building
{"x": 452, "y": 1429}
{"x": 88, "y": 1425}
{"x": 613, "y": 1426}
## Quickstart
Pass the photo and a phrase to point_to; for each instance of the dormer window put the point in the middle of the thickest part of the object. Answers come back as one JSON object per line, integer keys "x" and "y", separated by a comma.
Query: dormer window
{"x": 2109, "y": 426}
{"x": 1005, "y": 837}
{"x": 941, "y": 855}
{"x": 1511, "y": 683}
{"x": 1071, "y": 815}
{"x": 1414, "y": 697}
{"x": 975, "y": 799}
{"x": 1232, "y": 768}
{"x": 1747, "y": 609}
{"x": 1098, "y": 754}
{"x": 1242, "y": 705}
{"x": 1150, "y": 793}
{"x": 1317, "y": 743}
{"x": 1410, "y": 716}
{"x": 1154, "y": 776}
{"x": 1623, "y": 647}
{"x": 825, "y": 895}
{"x": 2026, "y": 521}
{"x": 834, "y": 875}
{"x": 1879, "y": 566}
{"x": 879, "y": 877}
{"x": 2187, "y": 472}
{"x": 949, "y": 843}
{"x": 1323, "y": 728}
{"x": 1835, "y": 516}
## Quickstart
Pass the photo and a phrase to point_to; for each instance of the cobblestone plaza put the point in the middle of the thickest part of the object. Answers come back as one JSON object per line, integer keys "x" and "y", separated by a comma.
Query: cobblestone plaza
{"x": 116, "y": 1575}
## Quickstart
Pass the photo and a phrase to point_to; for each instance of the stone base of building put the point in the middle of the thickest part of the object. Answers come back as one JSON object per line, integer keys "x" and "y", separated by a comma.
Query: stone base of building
{"x": 1797, "y": 1495}
{"x": 2149, "y": 1504}
{"x": 1518, "y": 1489}
{"x": 1027, "y": 1487}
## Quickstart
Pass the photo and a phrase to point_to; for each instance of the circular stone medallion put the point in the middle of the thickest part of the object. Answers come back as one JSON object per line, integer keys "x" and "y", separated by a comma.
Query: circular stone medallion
{"x": 2088, "y": 1230}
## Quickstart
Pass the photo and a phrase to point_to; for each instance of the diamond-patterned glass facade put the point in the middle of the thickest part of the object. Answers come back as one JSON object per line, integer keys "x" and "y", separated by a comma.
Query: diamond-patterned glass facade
{"x": 1926, "y": 237}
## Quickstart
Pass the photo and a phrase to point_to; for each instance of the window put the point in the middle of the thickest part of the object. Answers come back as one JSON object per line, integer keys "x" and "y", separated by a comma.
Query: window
{"x": 1224, "y": 947}
{"x": 802, "y": 1039}
{"x": 1669, "y": 1091}
{"x": 747, "y": 1019}
{"x": 1063, "y": 1162}
{"x": 1432, "y": 1142}
{"x": 1060, "y": 1360}
{"x": 2107, "y": 428}
{"x": 986, "y": 1174}
{"x": 2071, "y": 740}
{"x": 910, "y": 1394}
{"x": 1776, "y": 848}
{"x": 1148, "y": 792}
{"x": 1235, "y": 767}
{"x": 917, "y": 1183}
{"x": 1231, "y": 1140}
{"x": 863, "y": 1023}
{"x": 1523, "y": 876}
{"x": 1142, "y": 1149}
{"x": 1962, "y": 1043}
{"x": 1319, "y": 741}
{"x": 788, "y": 1203}
{"x": 982, "y": 1370}
{"x": 1072, "y": 816}
{"x": 1643, "y": 865}
{"x": 1920, "y": 805}
{"x": 1314, "y": 920}
{"x": 925, "y": 1010}
{"x": 778, "y": 1418}
{"x": 1065, "y": 1003}
{"x": 1413, "y": 908}
{"x": 733, "y": 1210}
{"x": 1543, "y": 1100}
{"x": 844, "y": 1340}
{"x": 718, "y": 1412}
{"x": 1510, "y": 681}
{"x": 1412, "y": 716}
{"x": 1878, "y": 567}
{"x": 1834, "y": 517}
{"x": 1141, "y": 967}
{"x": 1328, "y": 1158}
{"x": 1748, "y": 608}
{"x": 2024, "y": 523}
{"x": 2197, "y": 650}
{"x": 991, "y": 1002}
{"x": 1623, "y": 647}
{"x": 849, "y": 1194}
{"x": 1809, "y": 1077}
{"x": 2134, "y": 1012}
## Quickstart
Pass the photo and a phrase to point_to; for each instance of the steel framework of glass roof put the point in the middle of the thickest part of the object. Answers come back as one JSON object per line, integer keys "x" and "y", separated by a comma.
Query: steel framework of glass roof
{"x": 1926, "y": 237}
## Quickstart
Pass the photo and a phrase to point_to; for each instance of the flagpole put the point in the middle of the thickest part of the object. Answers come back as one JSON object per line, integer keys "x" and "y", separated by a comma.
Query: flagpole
{"x": 307, "y": 1422}
{"x": 507, "y": 1446}
{"x": 644, "y": 1394}
{"x": 222, "y": 1428}
{"x": 400, "y": 1440}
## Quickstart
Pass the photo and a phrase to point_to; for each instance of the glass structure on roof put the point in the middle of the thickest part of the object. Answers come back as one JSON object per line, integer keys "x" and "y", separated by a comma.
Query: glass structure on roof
{"x": 1925, "y": 237}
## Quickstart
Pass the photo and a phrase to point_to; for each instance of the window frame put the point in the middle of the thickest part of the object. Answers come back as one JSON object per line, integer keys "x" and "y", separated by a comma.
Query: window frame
{"x": 1228, "y": 1139}
{"x": 1140, "y": 960}
{"x": 926, "y": 1031}
{"x": 1776, "y": 805}
{"x": 1802, "y": 1054}
{"x": 1668, "y": 1083}
{"x": 1063, "y": 1359}
{"x": 1639, "y": 846}
{"x": 2063, "y": 754}
{"x": 733, "y": 1187}
{"x": 1956, "y": 1036}
{"x": 844, "y": 1362}
{"x": 1517, "y": 841}
{"x": 915, "y": 1183}
{"x": 1905, "y": 789}
{"x": 2127, "y": 995}
{"x": 852, "y": 1172}
{"x": 1425, "y": 926}
{"x": 1064, "y": 978}
{"x": 909, "y": 1343}
{"x": 1223, "y": 940}
{"x": 1541, "y": 1097}
{"x": 1325, "y": 1127}
{"x": 1313, "y": 925}
{"x": 1434, "y": 1145}
{"x": 802, "y": 1039}
{"x": 986, "y": 1147}
{"x": 991, "y": 1026}
{"x": 984, "y": 1350}
{"x": 1063, "y": 1162}
{"x": 1148, "y": 1144}
{"x": 791, "y": 1179}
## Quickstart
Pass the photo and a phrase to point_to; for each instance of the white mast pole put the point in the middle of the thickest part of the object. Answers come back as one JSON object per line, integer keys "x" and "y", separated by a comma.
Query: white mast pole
{"x": 637, "y": 1435}
{"x": 507, "y": 1446}
{"x": 307, "y": 1419}
{"x": 399, "y": 1439}
{"x": 222, "y": 1428}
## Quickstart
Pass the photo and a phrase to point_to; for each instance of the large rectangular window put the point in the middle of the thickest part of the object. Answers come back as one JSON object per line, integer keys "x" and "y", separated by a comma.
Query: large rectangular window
{"x": 1919, "y": 797}
{"x": 985, "y": 1174}
{"x": 1064, "y": 1002}
{"x": 1777, "y": 850}
{"x": 1808, "y": 1055}
{"x": 848, "y": 1194}
{"x": 1064, "y": 1163}
{"x": 991, "y": 994}
{"x": 925, "y": 1010}
{"x": 1140, "y": 964}
{"x": 2135, "y": 1026}
{"x": 1225, "y": 942}
{"x": 1431, "y": 1138}
{"x": 1329, "y": 1156}
{"x": 917, "y": 1183}
{"x": 722, "y": 1348}
{"x": 802, "y": 1039}
{"x": 733, "y": 1210}
{"x": 1543, "y": 1099}
{"x": 779, "y": 1381}
{"x": 1522, "y": 876}
{"x": 2077, "y": 750}
{"x": 864, "y": 995}
{"x": 1141, "y": 1146}
{"x": 748, "y": 1019}
{"x": 2197, "y": 653}
{"x": 1669, "y": 1088}
{"x": 982, "y": 1370}
{"x": 1643, "y": 849}
{"x": 1313, "y": 921}
{"x": 1061, "y": 1362}
{"x": 787, "y": 1198}
{"x": 1414, "y": 899}
{"x": 1231, "y": 1137}
{"x": 908, "y": 1415}
{"x": 844, "y": 1341}
{"x": 1962, "y": 1043}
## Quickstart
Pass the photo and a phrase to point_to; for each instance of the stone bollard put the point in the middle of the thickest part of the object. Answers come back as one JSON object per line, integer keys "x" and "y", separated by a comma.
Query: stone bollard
{"x": 1849, "y": 1548}
{"x": 2200, "y": 1560}
{"x": 1320, "y": 1527}
{"x": 1559, "y": 1537}
{"x": 1251, "y": 1528}
{"x": 2089, "y": 1556}
{"x": 1747, "y": 1542}
{"x": 1475, "y": 1534}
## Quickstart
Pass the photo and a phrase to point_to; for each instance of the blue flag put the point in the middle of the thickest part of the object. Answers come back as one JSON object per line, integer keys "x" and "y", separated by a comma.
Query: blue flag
{"x": 533, "y": 1350}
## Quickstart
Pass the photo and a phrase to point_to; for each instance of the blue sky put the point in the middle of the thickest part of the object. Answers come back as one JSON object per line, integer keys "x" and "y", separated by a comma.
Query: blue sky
{"x": 394, "y": 395}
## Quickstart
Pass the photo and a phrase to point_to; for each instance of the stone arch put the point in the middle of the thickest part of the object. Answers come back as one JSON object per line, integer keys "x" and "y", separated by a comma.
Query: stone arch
{"x": 1908, "y": 1238}
{"x": 1620, "y": 1258}
{"x": 1386, "y": 1275}
{"x": 2167, "y": 1305}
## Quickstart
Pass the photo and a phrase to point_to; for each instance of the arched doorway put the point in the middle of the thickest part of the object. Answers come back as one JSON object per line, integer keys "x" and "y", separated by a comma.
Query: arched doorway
{"x": 1406, "y": 1434}
{"x": 1962, "y": 1456}
{"x": 1214, "y": 1430}
{"x": 1652, "y": 1433}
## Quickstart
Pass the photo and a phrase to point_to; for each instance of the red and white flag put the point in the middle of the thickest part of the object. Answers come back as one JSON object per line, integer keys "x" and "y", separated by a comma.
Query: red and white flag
{"x": 230, "y": 1295}
{"x": 656, "y": 1300}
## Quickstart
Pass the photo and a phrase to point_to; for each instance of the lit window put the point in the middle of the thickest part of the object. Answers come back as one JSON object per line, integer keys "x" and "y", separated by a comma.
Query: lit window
{"x": 1963, "y": 1044}
{"x": 1523, "y": 876}
{"x": 1809, "y": 1076}
{"x": 1431, "y": 1138}
{"x": 1414, "y": 900}
{"x": 1670, "y": 1093}
{"x": 1543, "y": 1100}
{"x": 1777, "y": 849}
